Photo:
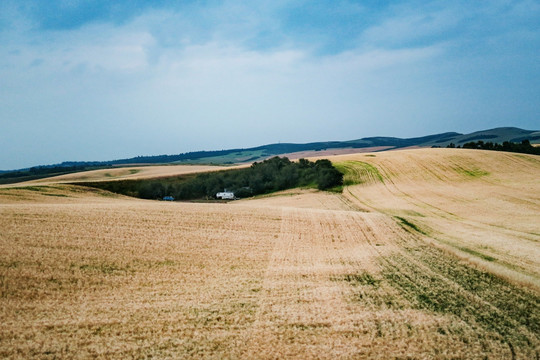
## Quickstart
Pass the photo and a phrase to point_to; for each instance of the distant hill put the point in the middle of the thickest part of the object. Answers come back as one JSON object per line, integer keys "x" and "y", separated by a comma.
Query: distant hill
{"x": 234, "y": 156}
{"x": 497, "y": 135}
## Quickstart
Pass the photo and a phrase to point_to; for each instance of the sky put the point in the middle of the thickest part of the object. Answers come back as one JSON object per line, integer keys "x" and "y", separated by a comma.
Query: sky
{"x": 103, "y": 80}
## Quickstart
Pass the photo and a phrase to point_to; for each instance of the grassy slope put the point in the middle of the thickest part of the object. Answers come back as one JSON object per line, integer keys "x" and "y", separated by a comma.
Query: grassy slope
{"x": 371, "y": 273}
{"x": 482, "y": 205}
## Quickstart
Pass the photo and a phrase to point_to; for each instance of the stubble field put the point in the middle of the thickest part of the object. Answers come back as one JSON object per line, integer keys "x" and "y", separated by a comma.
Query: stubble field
{"x": 125, "y": 173}
{"x": 426, "y": 254}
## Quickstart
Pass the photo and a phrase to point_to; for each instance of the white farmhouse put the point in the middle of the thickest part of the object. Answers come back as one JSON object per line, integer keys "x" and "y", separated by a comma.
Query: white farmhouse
{"x": 225, "y": 195}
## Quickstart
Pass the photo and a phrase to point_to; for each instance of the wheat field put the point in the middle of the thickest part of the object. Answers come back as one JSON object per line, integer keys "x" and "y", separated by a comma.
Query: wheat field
{"x": 427, "y": 254}
{"x": 122, "y": 173}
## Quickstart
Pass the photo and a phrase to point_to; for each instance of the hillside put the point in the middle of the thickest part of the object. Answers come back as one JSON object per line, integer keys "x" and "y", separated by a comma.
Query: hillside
{"x": 427, "y": 253}
{"x": 497, "y": 135}
{"x": 477, "y": 204}
{"x": 122, "y": 173}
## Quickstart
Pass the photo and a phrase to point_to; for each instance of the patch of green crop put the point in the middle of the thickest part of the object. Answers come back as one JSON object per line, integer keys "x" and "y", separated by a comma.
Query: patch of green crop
{"x": 408, "y": 225}
{"x": 471, "y": 173}
{"x": 358, "y": 172}
{"x": 478, "y": 254}
{"x": 435, "y": 281}
{"x": 56, "y": 195}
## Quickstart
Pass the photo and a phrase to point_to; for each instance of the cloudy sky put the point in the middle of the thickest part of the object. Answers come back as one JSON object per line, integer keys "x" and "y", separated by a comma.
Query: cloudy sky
{"x": 102, "y": 80}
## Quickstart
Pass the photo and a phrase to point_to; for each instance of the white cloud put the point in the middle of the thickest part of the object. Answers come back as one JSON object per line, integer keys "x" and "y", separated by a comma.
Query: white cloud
{"x": 170, "y": 82}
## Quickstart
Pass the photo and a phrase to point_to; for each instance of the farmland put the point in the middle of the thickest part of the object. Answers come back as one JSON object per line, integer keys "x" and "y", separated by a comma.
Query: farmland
{"x": 429, "y": 253}
{"x": 129, "y": 173}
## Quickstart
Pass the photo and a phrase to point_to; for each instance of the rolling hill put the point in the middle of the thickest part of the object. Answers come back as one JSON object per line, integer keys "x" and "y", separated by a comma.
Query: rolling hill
{"x": 426, "y": 254}
{"x": 497, "y": 135}
{"x": 236, "y": 156}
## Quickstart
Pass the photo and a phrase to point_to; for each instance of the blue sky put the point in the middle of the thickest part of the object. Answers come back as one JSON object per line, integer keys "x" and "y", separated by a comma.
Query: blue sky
{"x": 102, "y": 80}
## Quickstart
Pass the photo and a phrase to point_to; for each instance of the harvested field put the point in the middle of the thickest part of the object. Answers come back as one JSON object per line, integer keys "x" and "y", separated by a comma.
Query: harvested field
{"x": 332, "y": 152}
{"x": 123, "y": 173}
{"x": 480, "y": 205}
{"x": 427, "y": 254}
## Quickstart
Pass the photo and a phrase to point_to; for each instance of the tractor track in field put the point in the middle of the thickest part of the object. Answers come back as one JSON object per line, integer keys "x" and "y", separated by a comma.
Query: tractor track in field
{"x": 355, "y": 266}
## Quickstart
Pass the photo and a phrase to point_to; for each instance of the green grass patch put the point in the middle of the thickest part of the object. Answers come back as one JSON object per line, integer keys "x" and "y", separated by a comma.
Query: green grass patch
{"x": 433, "y": 280}
{"x": 408, "y": 225}
{"x": 358, "y": 172}
{"x": 470, "y": 173}
{"x": 56, "y": 195}
{"x": 478, "y": 254}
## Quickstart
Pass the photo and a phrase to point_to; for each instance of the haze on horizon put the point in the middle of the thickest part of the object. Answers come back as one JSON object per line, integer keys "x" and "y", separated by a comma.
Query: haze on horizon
{"x": 102, "y": 80}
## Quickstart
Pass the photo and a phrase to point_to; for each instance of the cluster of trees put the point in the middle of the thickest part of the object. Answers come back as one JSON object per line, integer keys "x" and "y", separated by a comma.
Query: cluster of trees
{"x": 524, "y": 147}
{"x": 261, "y": 178}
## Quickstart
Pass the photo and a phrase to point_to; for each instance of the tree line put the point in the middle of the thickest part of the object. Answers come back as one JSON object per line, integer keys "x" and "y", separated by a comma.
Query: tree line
{"x": 524, "y": 147}
{"x": 275, "y": 174}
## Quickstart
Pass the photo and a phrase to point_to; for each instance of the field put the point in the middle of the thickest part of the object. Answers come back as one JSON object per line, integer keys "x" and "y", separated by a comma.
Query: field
{"x": 124, "y": 173}
{"x": 427, "y": 254}
{"x": 240, "y": 156}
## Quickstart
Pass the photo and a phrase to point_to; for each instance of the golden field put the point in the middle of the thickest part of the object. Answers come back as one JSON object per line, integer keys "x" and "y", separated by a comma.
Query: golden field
{"x": 427, "y": 254}
{"x": 123, "y": 173}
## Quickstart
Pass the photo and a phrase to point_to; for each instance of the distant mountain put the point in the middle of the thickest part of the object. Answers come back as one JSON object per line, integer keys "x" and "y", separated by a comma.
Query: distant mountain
{"x": 234, "y": 156}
